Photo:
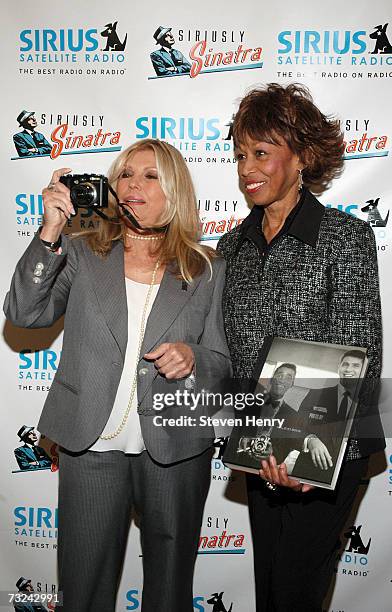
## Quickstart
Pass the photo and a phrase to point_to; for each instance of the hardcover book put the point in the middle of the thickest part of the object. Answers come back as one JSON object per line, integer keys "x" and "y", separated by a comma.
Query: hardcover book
{"x": 305, "y": 399}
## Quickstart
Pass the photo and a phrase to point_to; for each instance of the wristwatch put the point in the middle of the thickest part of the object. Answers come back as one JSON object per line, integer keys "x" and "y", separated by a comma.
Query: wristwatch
{"x": 52, "y": 246}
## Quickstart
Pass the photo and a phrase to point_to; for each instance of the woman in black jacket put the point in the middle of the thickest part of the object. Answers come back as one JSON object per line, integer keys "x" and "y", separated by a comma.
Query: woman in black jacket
{"x": 297, "y": 270}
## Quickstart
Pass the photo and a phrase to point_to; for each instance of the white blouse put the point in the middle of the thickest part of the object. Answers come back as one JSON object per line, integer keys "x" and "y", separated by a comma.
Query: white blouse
{"x": 130, "y": 439}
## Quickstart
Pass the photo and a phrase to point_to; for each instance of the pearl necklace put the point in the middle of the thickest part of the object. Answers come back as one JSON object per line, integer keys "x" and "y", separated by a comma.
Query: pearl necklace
{"x": 119, "y": 429}
{"x": 134, "y": 237}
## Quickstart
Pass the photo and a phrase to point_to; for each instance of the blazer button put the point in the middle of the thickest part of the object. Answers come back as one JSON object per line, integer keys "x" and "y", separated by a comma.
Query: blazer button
{"x": 143, "y": 371}
{"x": 39, "y": 266}
{"x": 36, "y": 280}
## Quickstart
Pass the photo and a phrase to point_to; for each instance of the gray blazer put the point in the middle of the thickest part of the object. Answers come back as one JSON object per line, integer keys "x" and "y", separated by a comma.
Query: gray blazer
{"x": 90, "y": 290}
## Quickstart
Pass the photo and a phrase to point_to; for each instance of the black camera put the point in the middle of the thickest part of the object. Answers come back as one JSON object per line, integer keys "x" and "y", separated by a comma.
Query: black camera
{"x": 87, "y": 190}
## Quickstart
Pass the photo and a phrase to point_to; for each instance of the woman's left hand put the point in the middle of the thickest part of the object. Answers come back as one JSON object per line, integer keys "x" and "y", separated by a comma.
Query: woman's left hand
{"x": 277, "y": 474}
{"x": 173, "y": 359}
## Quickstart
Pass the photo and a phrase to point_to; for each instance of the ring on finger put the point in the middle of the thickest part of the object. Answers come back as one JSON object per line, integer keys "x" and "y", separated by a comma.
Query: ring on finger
{"x": 271, "y": 486}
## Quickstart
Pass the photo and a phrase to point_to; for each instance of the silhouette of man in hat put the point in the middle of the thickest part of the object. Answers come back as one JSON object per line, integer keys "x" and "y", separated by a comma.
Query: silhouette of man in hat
{"x": 30, "y": 143}
{"x": 30, "y": 456}
{"x": 168, "y": 61}
{"x": 24, "y": 585}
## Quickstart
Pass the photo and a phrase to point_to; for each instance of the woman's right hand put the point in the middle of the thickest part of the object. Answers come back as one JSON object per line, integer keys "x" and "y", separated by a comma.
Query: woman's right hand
{"x": 57, "y": 206}
{"x": 277, "y": 474}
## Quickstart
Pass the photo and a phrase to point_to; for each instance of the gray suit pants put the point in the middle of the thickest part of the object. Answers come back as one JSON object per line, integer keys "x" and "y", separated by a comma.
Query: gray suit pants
{"x": 96, "y": 493}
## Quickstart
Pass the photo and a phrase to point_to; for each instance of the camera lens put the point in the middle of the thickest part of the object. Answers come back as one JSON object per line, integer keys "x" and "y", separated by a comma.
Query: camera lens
{"x": 83, "y": 195}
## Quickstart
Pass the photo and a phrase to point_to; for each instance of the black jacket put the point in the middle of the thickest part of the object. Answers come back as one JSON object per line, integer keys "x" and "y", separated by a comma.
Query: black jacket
{"x": 319, "y": 282}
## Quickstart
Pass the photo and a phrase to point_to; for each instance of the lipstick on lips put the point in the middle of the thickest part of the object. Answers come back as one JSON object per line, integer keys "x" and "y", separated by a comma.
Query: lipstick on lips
{"x": 134, "y": 201}
{"x": 254, "y": 186}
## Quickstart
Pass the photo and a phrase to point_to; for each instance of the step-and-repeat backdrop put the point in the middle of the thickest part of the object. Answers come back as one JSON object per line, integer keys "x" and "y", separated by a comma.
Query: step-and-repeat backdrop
{"x": 89, "y": 79}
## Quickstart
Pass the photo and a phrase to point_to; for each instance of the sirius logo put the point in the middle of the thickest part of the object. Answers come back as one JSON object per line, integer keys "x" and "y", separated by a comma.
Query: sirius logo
{"x": 74, "y": 40}
{"x": 29, "y": 203}
{"x": 66, "y": 45}
{"x": 29, "y": 209}
{"x": 190, "y": 134}
{"x": 355, "y": 557}
{"x": 179, "y": 128}
{"x": 350, "y": 209}
{"x": 214, "y": 602}
{"x": 382, "y": 44}
{"x": 370, "y": 212}
{"x": 356, "y": 544}
{"x": 374, "y": 217}
{"x": 39, "y": 522}
{"x": 132, "y": 598}
{"x": 219, "y": 447}
{"x": 331, "y": 47}
{"x": 312, "y": 41}
{"x": 59, "y": 40}
{"x": 37, "y": 365}
{"x": 133, "y": 602}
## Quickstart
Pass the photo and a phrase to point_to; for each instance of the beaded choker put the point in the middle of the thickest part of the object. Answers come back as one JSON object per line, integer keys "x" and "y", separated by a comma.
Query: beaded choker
{"x": 134, "y": 237}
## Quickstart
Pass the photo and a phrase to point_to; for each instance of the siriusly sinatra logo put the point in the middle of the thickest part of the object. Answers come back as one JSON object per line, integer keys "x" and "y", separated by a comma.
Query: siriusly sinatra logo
{"x": 33, "y": 454}
{"x": 216, "y": 538}
{"x": 53, "y": 46}
{"x": 204, "y": 56}
{"x": 330, "y": 47}
{"x": 65, "y": 138}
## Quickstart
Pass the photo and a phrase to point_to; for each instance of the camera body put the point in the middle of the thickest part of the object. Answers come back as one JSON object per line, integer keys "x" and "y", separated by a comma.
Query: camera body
{"x": 87, "y": 190}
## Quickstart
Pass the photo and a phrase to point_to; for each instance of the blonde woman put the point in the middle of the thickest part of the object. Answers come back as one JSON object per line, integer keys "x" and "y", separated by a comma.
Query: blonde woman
{"x": 142, "y": 314}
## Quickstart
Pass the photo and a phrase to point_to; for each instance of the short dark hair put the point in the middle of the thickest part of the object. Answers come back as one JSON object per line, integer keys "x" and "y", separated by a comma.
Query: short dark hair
{"x": 274, "y": 112}
{"x": 353, "y": 353}
{"x": 290, "y": 366}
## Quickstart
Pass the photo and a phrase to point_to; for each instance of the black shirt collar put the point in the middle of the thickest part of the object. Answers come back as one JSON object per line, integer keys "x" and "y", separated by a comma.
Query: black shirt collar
{"x": 302, "y": 223}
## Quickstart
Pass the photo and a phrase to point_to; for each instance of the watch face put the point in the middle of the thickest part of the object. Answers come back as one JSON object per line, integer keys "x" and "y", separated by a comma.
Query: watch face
{"x": 52, "y": 246}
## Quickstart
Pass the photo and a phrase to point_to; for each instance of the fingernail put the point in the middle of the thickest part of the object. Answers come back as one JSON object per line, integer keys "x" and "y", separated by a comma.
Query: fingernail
{"x": 73, "y": 211}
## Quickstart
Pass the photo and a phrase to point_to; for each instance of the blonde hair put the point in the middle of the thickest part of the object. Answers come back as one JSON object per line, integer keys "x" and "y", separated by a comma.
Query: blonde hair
{"x": 183, "y": 231}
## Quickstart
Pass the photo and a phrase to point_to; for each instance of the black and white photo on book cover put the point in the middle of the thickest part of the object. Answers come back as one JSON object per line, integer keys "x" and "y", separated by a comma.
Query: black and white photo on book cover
{"x": 310, "y": 392}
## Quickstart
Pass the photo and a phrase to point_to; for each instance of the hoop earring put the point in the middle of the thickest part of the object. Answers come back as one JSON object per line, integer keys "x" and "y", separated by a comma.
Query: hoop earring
{"x": 300, "y": 180}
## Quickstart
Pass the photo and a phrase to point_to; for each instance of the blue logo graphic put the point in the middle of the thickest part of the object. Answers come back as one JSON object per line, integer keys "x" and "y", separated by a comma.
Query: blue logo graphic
{"x": 214, "y": 601}
{"x": 313, "y": 41}
{"x": 180, "y": 128}
{"x": 70, "y": 45}
{"x": 33, "y": 521}
{"x": 334, "y": 47}
{"x": 390, "y": 470}
{"x": 38, "y": 365}
{"x": 30, "y": 456}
